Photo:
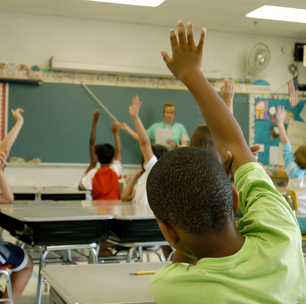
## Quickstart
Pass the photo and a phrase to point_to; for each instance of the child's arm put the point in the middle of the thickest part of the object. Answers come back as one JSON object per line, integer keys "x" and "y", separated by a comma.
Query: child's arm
{"x": 115, "y": 127}
{"x": 129, "y": 130}
{"x": 227, "y": 91}
{"x": 127, "y": 192}
{"x": 144, "y": 140}
{"x": 280, "y": 118}
{"x": 7, "y": 142}
{"x": 7, "y": 195}
{"x": 92, "y": 141}
{"x": 185, "y": 64}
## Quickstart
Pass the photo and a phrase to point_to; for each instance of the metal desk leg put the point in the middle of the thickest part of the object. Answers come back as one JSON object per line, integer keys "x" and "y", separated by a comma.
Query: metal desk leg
{"x": 130, "y": 254}
{"x": 40, "y": 278}
{"x": 140, "y": 254}
{"x": 93, "y": 256}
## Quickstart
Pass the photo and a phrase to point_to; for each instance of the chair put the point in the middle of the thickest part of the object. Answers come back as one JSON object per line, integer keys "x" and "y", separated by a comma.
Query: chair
{"x": 293, "y": 203}
{"x": 8, "y": 283}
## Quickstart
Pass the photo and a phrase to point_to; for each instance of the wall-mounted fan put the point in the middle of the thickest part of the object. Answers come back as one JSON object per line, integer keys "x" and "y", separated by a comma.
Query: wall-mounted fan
{"x": 257, "y": 60}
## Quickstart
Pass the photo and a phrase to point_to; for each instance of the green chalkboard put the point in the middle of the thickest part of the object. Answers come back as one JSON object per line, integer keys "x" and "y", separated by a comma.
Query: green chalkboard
{"x": 58, "y": 118}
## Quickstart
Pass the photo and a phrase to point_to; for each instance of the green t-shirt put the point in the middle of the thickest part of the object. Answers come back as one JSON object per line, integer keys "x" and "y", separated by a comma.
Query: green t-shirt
{"x": 177, "y": 131}
{"x": 269, "y": 268}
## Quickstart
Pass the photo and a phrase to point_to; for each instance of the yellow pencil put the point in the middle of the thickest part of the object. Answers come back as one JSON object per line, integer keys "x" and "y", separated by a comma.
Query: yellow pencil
{"x": 143, "y": 272}
{"x": 101, "y": 210}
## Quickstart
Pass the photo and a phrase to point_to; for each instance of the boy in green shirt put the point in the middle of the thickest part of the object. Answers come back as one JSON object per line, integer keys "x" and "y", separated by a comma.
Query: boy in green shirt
{"x": 192, "y": 199}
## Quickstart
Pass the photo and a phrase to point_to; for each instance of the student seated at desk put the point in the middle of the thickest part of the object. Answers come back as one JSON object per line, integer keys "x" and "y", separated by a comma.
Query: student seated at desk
{"x": 295, "y": 165}
{"x": 22, "y": 264}
{"x": 194, "y": 203}
{"x": 104, "y": 182}
{"x": 150, "y": 154}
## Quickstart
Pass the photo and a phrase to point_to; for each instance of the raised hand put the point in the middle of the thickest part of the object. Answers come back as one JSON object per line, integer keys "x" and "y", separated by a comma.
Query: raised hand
{"x": 134, "y": 108}
{"x": 228, "y": 89}
{"x": 186, "y": 56}
{"x": 96, "y": 116}
{"x": 17, "y": 115}
{"x": 281, "y": 115}
{"x": 115, "y": 127}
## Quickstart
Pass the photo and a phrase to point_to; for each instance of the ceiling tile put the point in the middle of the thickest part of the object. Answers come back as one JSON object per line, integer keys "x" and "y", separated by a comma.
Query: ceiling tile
{"x": 166, "y": 16}
{"x": 26, "y": 9}
{"x": 221, "y": 15}
{"x": 32, "y": 3}
{"x": 294, "y": 4}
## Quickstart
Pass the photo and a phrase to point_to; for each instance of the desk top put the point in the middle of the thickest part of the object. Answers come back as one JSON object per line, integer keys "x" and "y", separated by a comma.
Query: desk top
{"x": 24, "y": 190}
{"x": 61, "y": 190}
{"x": 102, "y": 284}
{"x": 47, "y": 211}
{"x": 120, "y": 210}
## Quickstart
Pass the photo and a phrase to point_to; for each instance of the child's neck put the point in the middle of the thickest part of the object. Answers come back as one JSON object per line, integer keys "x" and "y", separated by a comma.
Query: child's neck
{"x": 104, "y": 165}
{"x": 216, "y": 246}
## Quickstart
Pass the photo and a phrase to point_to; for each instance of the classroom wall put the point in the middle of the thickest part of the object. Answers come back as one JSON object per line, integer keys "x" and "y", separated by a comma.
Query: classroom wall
{"x": 51, "y": 174}
{"x": 33, "y": 39}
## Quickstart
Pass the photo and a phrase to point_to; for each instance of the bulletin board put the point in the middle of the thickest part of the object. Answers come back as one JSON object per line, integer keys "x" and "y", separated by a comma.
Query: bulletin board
{"x": 264, "y": 123}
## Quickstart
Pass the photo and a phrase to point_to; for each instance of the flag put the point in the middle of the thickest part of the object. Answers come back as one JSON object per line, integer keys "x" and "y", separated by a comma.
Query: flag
{"x": 293, "y": 91}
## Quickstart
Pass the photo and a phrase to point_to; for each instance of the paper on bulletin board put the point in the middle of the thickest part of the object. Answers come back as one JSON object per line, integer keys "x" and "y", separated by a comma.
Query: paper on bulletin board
{"x": 273, "y": 155}
{"x": 296, "y": 139}
{"x": 296, "y": 127}
{"x": 303, "y": 113}
{"x": 162, "y": 135}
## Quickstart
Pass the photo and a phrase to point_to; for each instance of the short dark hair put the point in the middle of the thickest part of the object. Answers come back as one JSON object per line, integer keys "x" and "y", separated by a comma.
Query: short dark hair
{"x": 105, "y": 153}
{"x": 189, "y": 189}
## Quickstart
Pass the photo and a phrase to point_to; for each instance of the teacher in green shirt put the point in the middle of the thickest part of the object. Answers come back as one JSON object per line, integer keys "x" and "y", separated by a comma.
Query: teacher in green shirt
{"x": 179, "y": 133}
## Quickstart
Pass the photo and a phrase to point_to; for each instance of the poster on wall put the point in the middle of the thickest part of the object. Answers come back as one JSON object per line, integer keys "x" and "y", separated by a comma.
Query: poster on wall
{"x": 3, "y": 109}
{"x": 265, "y": 130}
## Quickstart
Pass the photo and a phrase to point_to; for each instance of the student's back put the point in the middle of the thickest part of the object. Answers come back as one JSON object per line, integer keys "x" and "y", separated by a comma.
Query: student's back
{"x": 266, "y": 268}
{"x": 104, "y": 181}
{"x": 262, "y": 260}
{"x": 105, "y": 185}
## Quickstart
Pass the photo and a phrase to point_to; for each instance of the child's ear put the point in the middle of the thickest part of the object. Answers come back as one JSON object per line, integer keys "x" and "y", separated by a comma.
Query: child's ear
{"x": 168, "y": 232}
{"x": 235, "y": 200}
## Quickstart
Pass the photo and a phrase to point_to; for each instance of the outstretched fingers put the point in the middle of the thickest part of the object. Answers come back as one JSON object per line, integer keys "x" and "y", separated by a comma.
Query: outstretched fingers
{"x": 166, "y": 57}
{"x": 190, "y": 34}
{"x": 201, "y": 41}
{"x": 173, "y": 39}
{"x": 181, "y": 33}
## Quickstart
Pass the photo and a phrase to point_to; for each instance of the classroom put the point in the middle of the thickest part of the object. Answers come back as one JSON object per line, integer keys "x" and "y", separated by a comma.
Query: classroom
{"x": 115, "y": 49}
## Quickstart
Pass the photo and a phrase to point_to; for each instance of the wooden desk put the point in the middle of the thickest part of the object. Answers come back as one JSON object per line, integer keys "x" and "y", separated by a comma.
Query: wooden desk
{"x": 101, "y": 284}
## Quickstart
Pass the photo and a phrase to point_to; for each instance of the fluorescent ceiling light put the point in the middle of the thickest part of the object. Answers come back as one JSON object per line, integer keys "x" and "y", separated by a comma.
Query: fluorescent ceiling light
{"x": 279, "y": 13}
{"x": 152, "y": 3}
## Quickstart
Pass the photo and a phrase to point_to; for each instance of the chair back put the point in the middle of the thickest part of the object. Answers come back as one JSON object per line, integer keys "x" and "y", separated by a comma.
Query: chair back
{"x": 292, "y": 199}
